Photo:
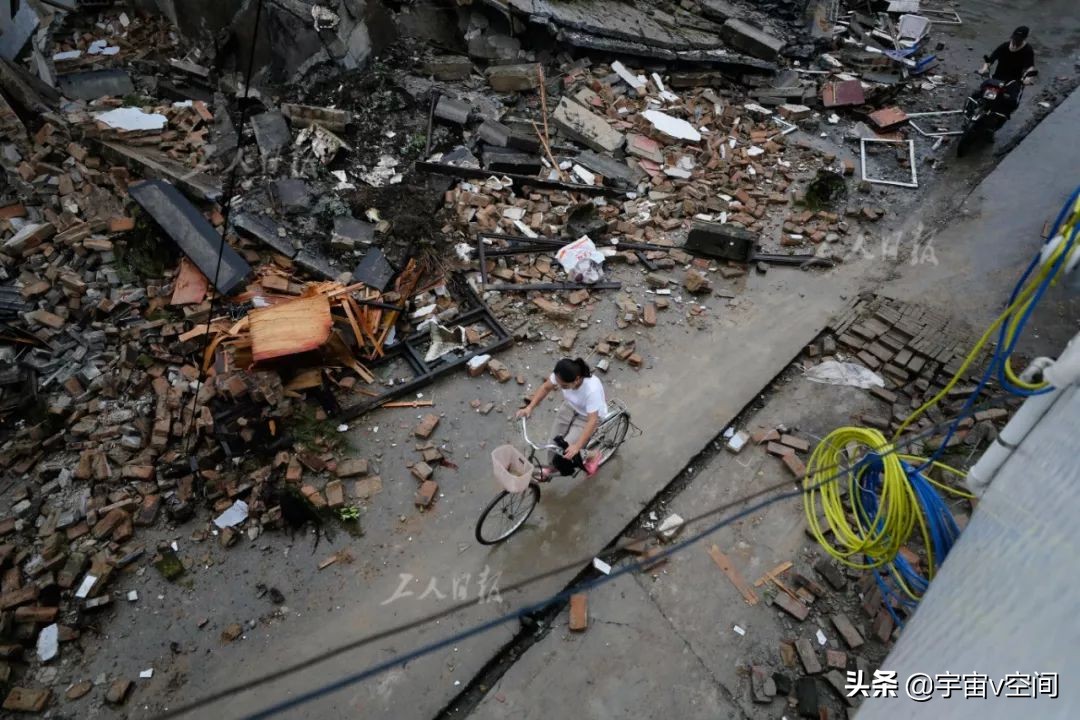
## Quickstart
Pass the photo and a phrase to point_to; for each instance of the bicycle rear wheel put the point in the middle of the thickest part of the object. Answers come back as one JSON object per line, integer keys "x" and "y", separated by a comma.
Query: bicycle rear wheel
{"x": 609, "y": 436}
{"x": 505, "y": 515}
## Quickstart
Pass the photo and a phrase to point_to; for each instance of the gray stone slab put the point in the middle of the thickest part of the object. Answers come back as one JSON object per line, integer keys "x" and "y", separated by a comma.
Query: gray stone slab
{"x": 271, "y": 132}
{"x": 751, "y": 40}
{"x": 94, "y": 84}
{"x": 265, "y": 230}
{"x": 192, "y": 232}
{"x": 16, "y": 34}
{"x": 154, "y": 164}
{"x": 350, "y": 232}
{"x": 616, "y": 171}
{"x": 586, "y": 127}
{"x": 293, "y": 195}
{"x": 452, "y": 110}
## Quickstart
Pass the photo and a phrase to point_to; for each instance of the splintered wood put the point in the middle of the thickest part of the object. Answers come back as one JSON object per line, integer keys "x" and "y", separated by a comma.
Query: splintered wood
{"x": 736, "y": 578}
{"x": 333, "y": 324}
{"x": 290, "y": 328}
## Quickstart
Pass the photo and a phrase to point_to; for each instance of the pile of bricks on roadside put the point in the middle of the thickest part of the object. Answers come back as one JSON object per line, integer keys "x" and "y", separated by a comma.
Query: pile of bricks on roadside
{"x": 916, "y": 350}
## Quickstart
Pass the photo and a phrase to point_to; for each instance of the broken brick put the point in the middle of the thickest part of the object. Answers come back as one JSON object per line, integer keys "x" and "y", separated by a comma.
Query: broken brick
{"x": 579, "y": 615}
{"x": 808, "y": 656}
{"x": 422, "y": 471}
{"x": 499, "y": 371}
{"x": 32, "y": 700}
{"x": 426, "y": 427}
{"x": 426, "y": 494}
{"x": 118, "y": 692}
{"x": 791, "y": 606}
{"x": 795, "y": 443}
{"x": 335, "y": 494}
{"x": 847, "y": 630}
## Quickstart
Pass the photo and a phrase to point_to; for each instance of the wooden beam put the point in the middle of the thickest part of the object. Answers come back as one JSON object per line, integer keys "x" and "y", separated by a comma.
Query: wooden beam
{"x": 724, "y": 563}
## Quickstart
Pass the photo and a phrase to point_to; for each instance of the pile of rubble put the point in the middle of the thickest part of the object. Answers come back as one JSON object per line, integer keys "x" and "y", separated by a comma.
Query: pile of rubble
{"x": 172, "y": 341}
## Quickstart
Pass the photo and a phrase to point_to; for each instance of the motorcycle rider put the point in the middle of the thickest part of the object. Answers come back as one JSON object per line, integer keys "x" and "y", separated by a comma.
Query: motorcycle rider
{"x": 1015, "y": 60}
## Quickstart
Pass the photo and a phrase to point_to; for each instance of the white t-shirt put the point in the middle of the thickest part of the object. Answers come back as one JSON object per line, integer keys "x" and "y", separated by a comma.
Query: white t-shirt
{"x": 588, "y": 398}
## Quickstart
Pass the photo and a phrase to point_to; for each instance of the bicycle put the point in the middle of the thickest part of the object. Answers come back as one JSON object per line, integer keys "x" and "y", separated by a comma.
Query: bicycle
{"x": 521, "y": 476}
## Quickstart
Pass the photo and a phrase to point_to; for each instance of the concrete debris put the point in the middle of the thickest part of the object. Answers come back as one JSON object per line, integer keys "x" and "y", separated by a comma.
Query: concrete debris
{"x": 673, "y": 127}
{"x": 130, "y": 119}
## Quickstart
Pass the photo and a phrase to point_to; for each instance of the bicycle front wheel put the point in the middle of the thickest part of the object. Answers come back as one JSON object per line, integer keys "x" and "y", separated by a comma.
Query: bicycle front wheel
{"x": 505, "y": 515}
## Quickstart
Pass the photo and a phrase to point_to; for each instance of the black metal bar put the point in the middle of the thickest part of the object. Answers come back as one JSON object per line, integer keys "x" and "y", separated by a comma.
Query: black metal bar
{"x": 792, "y": 260}
{"x": 649, "y": 264}
{"x": 519, "y": 180}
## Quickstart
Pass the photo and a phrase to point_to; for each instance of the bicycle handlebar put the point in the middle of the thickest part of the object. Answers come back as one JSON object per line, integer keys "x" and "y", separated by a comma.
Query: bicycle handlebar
{"x": 525, "y": 432}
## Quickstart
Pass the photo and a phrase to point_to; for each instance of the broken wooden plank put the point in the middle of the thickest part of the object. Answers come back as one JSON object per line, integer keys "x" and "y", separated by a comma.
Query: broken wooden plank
{"x": 778, "y": 570}
{"x": 290, "y": 328}
{"x": 724, "y": 563}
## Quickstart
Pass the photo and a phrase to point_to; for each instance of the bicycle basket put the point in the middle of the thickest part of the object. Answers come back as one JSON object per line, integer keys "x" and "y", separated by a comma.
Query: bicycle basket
{"x": 512, "y": 469}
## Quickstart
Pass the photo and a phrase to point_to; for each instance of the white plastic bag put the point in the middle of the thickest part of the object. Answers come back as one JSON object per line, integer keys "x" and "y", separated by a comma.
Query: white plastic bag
{"x": 832, "y": 372}
{"x": 582, "y": 261}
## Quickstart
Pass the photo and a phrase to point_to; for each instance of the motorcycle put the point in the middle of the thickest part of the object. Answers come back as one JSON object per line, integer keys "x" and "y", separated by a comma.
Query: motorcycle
{"x": 987, "y": 109}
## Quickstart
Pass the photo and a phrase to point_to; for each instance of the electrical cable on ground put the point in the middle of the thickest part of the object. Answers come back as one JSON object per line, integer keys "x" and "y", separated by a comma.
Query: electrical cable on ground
{"x": 886, "y": 449}
{"x": 226, "y": 202}
{"x": 890, "y": 497}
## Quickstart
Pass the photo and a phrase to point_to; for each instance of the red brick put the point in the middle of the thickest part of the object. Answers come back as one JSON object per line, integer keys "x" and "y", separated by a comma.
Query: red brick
{"x": 579, "y": 613}
{"x": 792, "y": 607}
{"x": 107, "y": 524}
{"x": 36, "y": 614}
{"x": 796, "y": 443}
{"x": 354, "y": 467}
{"x": 883, "y": 626}
{"x": 765, "y": 436}
{"x": 648, "y": 315}
{"x": 121, "y": 224}
{"x": 426, "y": 494}
{"x": 422, "y": 471}
{"x": 847, "y": 630}
{"x": 22, "y": 596}
{"x": 32, "y": 700}
{"x": 836, "y": 659}
{"x": 138, "y": 472}
{"x": 795, "y": 466}
{"x": 147, "y": 512}
{"x": 775, "y": 448}
{"x": 426, "y": 427}
{"x": 335, "y": 494}
{"x": 118, "y": 692}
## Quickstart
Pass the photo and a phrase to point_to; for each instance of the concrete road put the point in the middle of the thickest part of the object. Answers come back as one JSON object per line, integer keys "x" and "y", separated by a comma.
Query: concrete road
{"x": 690, "y": 603}
{"x": 698, "y": 382}
{"x": 980, "y": 256}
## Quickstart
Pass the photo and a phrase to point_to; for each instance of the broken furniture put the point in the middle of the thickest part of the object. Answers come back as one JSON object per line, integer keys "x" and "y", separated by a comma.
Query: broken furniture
{"x": 413, "y": 348}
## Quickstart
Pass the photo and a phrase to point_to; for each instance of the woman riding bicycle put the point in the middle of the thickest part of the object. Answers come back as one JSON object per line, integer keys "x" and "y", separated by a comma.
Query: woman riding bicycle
{"x": 583, "y": 405}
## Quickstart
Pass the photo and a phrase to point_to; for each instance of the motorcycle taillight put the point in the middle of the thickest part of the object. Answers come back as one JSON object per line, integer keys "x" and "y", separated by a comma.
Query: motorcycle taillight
{"x": 990, "y": 94}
